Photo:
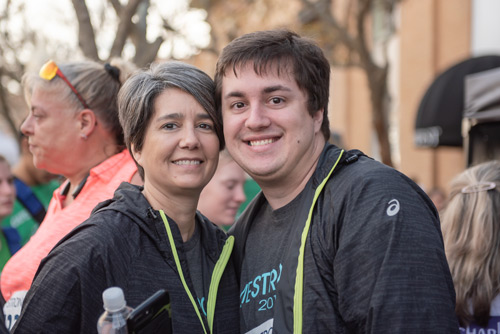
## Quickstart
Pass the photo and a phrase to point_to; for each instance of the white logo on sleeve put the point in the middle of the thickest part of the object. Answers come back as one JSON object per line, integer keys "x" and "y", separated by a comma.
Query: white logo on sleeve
{"x": 393, "y": 208}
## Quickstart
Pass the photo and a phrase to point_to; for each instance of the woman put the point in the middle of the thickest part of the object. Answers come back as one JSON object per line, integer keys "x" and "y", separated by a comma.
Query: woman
{"x": 151, "y": 237}
{"x": 471, "y": 232}
{"x": 224, "y": 194}
{"x": 7, "y": 199}
{"x": 73, "y": 130}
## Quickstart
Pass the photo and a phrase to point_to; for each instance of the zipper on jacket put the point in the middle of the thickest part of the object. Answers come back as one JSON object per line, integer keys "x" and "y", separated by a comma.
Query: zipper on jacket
{"x": 152, "y": 213}
{"x": 216, "y": 275}
{"x": 299, "y": 277}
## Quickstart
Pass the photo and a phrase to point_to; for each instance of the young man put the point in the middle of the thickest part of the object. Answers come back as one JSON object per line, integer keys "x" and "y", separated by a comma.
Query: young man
{"x": 336, "y": 242}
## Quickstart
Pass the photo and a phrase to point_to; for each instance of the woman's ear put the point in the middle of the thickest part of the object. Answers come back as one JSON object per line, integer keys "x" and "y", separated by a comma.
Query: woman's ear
{"x": 88, "y": 123}
{"x": 135, "y": 154}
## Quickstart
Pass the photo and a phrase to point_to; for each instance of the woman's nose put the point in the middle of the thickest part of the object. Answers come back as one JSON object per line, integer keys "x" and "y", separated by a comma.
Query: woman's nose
{"x": 27, "y": 126}
{"x": 189, "y": 139}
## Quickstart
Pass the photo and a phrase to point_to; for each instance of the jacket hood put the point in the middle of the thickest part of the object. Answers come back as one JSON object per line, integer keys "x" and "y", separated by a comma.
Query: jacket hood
{"x": 129, "y": 200}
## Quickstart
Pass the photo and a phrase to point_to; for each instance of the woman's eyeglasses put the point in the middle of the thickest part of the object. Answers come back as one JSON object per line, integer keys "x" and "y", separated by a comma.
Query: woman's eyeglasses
{"x": 50, "y": 69}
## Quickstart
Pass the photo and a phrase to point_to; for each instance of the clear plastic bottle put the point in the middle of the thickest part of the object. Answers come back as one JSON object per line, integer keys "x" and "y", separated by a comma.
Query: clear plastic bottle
{"x": 114, "y": 318}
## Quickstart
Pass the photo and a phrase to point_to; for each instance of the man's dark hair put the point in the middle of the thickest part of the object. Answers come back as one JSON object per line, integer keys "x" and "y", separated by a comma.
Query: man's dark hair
{"x": 278, "y": 50}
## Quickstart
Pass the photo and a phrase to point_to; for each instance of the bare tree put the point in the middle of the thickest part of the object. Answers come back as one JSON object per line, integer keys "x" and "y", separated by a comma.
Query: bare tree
{"x": 344, "y": 29}
{"x": 11, "y": 67}
{"x": 127, "y": 22}
{"x": 126, "y": 28}
{"x": 4, "y": 106}
{"x": 86, "y": 36}
{"x": 131, "y": 27}
{"x": 345, "y": 33}
{"x": 347, "y": 39}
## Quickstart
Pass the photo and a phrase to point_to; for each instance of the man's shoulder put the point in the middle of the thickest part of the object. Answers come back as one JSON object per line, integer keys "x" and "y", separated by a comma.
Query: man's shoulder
{"x": 366, "y": 183}
{"x": 358, "y": 169}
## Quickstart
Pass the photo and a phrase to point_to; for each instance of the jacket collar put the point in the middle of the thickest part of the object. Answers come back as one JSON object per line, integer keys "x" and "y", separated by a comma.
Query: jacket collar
{"x": 326, "y": 160}
{"x": 129, "y": 200}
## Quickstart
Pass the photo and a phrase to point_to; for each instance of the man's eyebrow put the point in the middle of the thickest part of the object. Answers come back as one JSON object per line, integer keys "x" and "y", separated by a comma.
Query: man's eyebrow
{"x": 266, "y": 90}
{"x": 276, "y": 88}
{"x": 233, "y": 94}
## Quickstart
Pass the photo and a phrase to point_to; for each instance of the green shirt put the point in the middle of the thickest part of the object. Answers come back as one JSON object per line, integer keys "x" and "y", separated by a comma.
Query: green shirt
{"x": 251, "y": 189}
{"x": 4, "y": 251}
{"x": 21, "y": 219}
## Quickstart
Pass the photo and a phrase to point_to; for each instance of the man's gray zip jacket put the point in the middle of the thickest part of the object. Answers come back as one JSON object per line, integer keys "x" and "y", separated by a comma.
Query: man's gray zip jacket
{"x": 374, "y": 255}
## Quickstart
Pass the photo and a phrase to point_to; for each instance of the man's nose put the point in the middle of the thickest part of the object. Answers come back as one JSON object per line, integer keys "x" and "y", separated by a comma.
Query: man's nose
{"x": 257, "y": 118}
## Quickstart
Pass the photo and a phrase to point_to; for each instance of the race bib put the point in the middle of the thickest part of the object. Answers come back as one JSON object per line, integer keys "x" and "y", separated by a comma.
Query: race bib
{"x": 12, "y": 308}
{"x": 264, "y": 328}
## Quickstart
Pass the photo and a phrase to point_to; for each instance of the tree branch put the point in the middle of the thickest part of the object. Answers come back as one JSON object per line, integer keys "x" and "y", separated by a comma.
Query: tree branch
{"x": 342, "y": 31}
{"x": 124, "y": 27}
{"x": 148, "y": 54}
{"x": 86, "y": 37}
{"x": 117, "y": 6}
{"x": 5, "y": 107}
{"x": 363, "y": 50}
{"x": 138, "y": 33}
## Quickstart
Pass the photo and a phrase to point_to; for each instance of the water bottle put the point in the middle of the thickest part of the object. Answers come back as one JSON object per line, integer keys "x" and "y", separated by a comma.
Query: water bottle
{"x": 116, "y": 311}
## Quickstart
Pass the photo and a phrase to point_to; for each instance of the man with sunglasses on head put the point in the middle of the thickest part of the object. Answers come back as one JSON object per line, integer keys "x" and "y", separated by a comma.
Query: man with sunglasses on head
{"x": 335, "y": 242}
{"x": 73, "y": 130}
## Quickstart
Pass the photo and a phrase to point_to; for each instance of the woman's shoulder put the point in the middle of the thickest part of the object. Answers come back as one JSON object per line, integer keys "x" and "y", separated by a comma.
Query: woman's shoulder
{"x": 210, "y": 226}
{"x": 102, "y": 231}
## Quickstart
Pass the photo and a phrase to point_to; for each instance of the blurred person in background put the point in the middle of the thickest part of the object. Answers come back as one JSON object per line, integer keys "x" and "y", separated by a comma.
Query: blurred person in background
{"x": 471, "y": 232}
{"x": 73, "y": 130}
{"x": 222, "y": 197}
{"x": 9, "y": 147}
{"x": 437, "y": 197}
{"x": 7, "y": 198}
{"x": 34, "y": 188}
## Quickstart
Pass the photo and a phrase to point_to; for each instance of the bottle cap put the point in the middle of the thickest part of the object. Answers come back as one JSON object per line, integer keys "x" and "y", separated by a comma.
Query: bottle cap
{"x": 113, "y": 299}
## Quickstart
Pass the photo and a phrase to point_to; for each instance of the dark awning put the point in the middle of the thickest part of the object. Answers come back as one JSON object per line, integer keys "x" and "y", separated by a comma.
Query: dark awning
{"x": 481, "y": 125}
{"x": 439, "y": 117}
{"x": 482, "y": 96}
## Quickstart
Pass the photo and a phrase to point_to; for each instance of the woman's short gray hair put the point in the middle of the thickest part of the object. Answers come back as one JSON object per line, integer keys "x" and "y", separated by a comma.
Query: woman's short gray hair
{"x": 137, "y": 96}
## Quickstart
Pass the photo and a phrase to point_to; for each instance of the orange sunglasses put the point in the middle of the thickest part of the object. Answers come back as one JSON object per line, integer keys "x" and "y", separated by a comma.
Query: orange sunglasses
{"x": 50, "y": 69}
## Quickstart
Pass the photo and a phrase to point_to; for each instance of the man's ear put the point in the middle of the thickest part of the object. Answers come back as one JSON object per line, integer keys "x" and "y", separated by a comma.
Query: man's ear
{"x": 318, "y": 120}
{"x": 88, "y": 122}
